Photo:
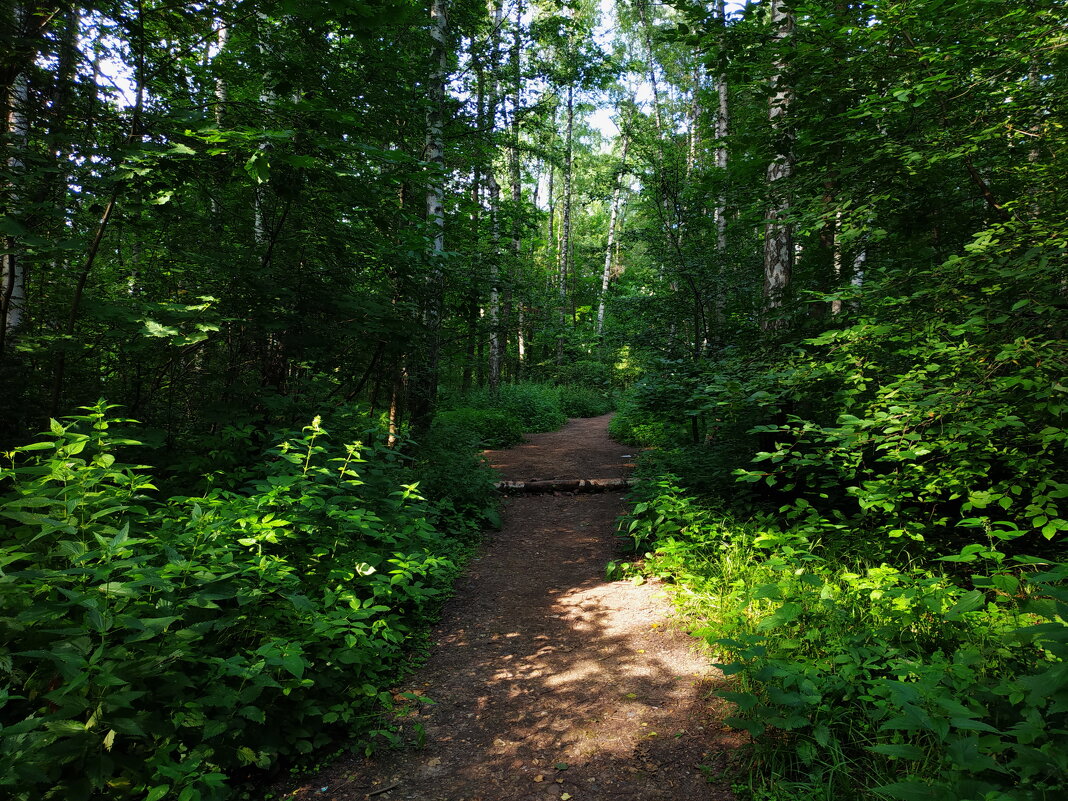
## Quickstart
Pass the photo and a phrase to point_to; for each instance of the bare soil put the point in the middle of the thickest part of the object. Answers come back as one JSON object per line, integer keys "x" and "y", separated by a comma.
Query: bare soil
{"x": 548, "y": 681}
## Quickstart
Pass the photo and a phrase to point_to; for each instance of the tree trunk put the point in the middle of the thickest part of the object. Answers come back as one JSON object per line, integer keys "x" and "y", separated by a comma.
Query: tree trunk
{"x": 778, "y": 236}
{"x": 720, "y": 214}
{"x": 515, "y": 173}
{"x": 13, "y": 267}
{"x": 16, "y": 99}
{"x": 564, "y": 257}
{"x": 497, "y": 17}
{"x": 423, "y": 386}
{"x": 722, "y": 123}
{"x": 612, "y": 216}
{"x": 695, "y": 115}
{"x": 259, "y": 192}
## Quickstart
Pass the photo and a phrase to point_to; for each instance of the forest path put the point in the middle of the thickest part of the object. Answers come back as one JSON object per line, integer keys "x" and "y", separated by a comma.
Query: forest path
{"x": 551, "y": 683}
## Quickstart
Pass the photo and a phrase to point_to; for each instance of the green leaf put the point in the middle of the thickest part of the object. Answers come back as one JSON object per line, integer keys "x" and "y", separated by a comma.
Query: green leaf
{"x": 912, "y": 791}
{"x": 36, "y": 446}
{"x": 902, "y": 751}
{"x": 295, "y": 664}
{"x": 154, "y": 329}
{"x": 253, "y": 713}
{"x": 213, "y": 728}
{"x": 968, "y": 602}
{"x": 787, "y": 612}
{"x": 971, "y": 724}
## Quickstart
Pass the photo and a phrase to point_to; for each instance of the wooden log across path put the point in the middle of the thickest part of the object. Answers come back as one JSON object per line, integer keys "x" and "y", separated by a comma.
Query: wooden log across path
{"x": 567, "y": 485}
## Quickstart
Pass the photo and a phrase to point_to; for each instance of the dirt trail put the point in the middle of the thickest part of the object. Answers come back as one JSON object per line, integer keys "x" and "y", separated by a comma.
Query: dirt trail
{"x": 551, "y": 683}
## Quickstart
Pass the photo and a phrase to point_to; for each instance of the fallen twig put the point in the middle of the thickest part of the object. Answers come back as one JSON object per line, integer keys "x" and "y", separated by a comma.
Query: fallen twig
{"x": 393, "y": 786}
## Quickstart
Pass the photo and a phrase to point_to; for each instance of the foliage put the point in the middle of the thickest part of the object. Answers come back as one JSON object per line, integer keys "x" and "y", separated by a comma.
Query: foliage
{"x": 466, "y": 429}
{"x": 634, "y": 426}
{"x": 582, "y": 372}
{"x": 152, "y": 648}
{"x": 896, "y": 615}
{"x": 536, "y": 406}
{"x": 452, "y": 473}
{"x": 900, "y": 676}
{"x": 583, "y": 401}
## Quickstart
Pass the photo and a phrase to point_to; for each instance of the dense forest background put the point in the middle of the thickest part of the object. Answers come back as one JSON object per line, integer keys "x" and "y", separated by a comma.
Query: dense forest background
{"x": 323, "y": 252}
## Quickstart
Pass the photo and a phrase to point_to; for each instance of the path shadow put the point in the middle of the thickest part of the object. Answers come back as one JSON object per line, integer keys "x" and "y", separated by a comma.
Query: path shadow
{"x": 548, "y": 680}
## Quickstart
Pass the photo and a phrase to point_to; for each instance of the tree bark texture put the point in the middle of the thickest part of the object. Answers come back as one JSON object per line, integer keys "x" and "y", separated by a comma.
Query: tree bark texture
{"x": 564, "y": 257}
{"x": 423, "y": 384}
{"x": 613, "y": 215}
{"x": 778, "y": 236}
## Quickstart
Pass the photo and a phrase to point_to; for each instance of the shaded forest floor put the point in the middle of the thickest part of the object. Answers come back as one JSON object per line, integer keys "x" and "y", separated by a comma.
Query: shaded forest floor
{"x": 549, "y": 682}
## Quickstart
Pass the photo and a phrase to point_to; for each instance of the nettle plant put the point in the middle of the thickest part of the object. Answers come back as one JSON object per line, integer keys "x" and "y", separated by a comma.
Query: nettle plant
{"x": 152, "y": 649}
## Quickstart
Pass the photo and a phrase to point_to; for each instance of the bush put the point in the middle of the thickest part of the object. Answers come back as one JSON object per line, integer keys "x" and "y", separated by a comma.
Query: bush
{"x": 454, "y": 476}
{"x": 467, "y": 429}
{"x": 582, "y": 401}
{"x": 537, "y": 406}
{"x": 634, "y": 426}
{"x": 863, "y": 675}
{"x": 586, "y": 373}
{"x": 152, "y": 648}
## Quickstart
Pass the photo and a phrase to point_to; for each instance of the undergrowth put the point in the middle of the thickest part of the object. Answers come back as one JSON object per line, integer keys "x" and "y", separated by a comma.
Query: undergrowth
{"x": 868, "y": 526}
{"x": 155, "y": 648}
{"x": 863, "y": 680}
{"x": 528, "y": 406}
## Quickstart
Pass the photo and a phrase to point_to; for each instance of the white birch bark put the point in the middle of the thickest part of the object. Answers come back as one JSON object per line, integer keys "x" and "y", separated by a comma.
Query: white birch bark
{"x": 259, "y": 226}
{"x": 423, "y": 381}
{"x": 12, "y": 269}
{"x": 778, "y": 237}
{"x": 722, "y": 123}
{"x": 837, "y": 261}
{"x": 564, "y": 257}
{"x": 435, "y": 146}
{"x": 521, "y": 340}
{"x": 514, "y": 165}
{"x": 612, "y": 216}
{"x": 695, "y": 115}
{"x": 221, "y": 93}
{"x": 494, "y": 312}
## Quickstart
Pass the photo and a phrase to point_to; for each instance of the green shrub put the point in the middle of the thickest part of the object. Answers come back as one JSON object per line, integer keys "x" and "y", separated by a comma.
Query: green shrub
{"x": 634, "y": 426}
{"x": 585, "y": 373}
{"x": 536, "y": 406}
{"x": 467, "y": 429}
{"x": 461, "y": 488}
{"x": 866, "y": 680}
{"x": 150, "y": 649}
{"x": 583, "y": 401}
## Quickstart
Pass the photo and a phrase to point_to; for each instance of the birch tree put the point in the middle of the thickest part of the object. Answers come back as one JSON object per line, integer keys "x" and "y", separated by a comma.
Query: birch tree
{"x": 424, "y": 384}
{"x": 613, "y": 215}
{"x": 496, "y": 16}
{"x": 778, "y": 236}
{"x": 16, "y": 101}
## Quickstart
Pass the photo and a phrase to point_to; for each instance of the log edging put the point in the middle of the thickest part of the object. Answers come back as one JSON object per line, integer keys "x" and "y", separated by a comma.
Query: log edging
{"x": 567, "y": 485}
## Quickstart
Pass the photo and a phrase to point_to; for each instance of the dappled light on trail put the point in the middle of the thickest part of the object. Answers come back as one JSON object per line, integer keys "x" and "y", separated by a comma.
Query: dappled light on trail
{"x": 549, "y": 682}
